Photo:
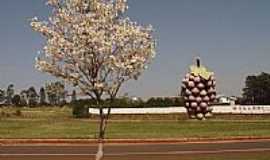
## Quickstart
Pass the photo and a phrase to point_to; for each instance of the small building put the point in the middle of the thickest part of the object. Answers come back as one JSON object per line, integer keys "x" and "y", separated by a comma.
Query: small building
{"x": 225, "y": 100}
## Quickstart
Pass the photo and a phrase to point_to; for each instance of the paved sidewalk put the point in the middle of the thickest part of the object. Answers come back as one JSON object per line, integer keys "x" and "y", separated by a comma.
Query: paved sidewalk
{"x": 113, "y": 141}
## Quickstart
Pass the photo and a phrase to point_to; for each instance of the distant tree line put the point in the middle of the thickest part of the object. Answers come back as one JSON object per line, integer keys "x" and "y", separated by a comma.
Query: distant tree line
{"x": 257, "y": 90}
{"x": 53, "y": 93}
{"x": 80, "y": 107}
{"x": 126, "y": 102}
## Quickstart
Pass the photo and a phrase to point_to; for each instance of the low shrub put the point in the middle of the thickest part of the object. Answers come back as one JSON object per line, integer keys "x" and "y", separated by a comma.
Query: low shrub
{"x": 18, "y": 113}
{"x": 80, "y": 109}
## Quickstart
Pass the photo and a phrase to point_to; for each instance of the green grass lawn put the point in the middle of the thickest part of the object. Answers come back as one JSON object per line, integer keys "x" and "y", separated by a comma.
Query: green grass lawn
{"x": 58, "y": 123}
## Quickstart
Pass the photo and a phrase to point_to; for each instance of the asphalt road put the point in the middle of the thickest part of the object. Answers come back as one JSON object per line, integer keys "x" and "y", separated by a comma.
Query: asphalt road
{"x": 136, "y": 151}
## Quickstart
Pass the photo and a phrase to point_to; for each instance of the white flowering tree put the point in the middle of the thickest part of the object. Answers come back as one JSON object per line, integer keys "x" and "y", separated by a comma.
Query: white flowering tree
{"x": 92, "y": 45}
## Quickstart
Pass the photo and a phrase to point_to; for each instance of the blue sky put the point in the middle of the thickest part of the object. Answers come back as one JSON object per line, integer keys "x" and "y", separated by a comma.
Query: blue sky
{"x": 231, "y": 36}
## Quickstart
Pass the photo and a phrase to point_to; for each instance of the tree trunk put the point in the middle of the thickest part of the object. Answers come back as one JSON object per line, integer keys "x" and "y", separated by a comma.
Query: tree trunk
{"x": 100, "y": 152}
{"x": 102, "y": 127}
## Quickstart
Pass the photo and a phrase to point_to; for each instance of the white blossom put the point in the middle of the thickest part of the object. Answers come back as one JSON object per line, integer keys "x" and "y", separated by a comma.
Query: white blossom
{"x": 90, "y": 44}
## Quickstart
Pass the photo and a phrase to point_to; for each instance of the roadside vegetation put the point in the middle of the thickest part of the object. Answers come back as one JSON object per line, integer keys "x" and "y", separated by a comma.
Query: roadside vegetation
{"x": 58, "y": 122}
{"x": 48, "y": 114}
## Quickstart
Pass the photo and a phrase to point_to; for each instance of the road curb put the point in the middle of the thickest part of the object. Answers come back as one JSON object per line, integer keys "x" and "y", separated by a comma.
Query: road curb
{"x": 113, "y": 141}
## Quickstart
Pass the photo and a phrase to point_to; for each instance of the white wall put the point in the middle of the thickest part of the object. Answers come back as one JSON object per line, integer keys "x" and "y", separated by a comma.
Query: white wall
{"x": 142, "y": 110}
{"x": 234, "y": 109}
{"x": 245, "y": 109}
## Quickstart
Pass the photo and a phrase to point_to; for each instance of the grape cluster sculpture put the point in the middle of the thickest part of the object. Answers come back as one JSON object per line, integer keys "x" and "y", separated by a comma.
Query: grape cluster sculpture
{"x": 199, "y": 91}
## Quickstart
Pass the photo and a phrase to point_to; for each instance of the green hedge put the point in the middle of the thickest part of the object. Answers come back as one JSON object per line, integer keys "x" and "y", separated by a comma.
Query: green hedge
{"x": 80, "y": 107}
